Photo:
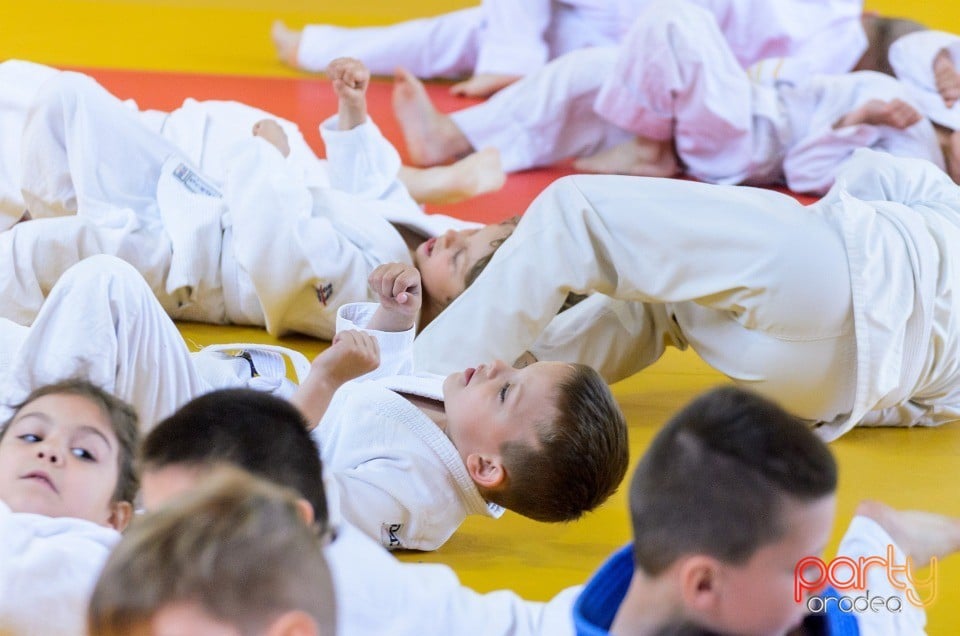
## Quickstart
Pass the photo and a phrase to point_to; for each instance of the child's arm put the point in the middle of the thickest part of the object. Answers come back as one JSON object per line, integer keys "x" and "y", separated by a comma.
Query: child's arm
{"x": 400, "y": 292}
{"x": 352, "y": 354}
{"x": 350, "y": 80}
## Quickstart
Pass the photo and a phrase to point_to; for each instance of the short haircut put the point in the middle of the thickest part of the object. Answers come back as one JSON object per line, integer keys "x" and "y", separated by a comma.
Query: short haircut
{"x": 581, "y": 455}
{"x": 254, "y": 430}
{"x": 123, "y": 422}
{"x": 715, "y": 480}
{"x": 237, "y": 547}
{"x": 483, "y": 261}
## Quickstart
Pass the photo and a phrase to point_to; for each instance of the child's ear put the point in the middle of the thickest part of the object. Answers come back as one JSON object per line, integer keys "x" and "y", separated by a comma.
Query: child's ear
{"x": 700, "y": 584}
{"x": 305, "y": 509}
{"x": 294, "y": 623}
{"x": 486, "y": 470}
{"x": 121, "y": 512}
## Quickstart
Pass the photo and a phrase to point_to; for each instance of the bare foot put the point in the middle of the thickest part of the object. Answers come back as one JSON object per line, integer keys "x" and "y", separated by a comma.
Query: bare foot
{"x": 638, "y": 157}
{"x": 877, "y": 112}
{"x": 286, "y": 41}
{"x": 921, "y": 535}
{"x": 475, "y": 174}
{"x": 270, "y": 130}
{"x": 947, "y": 77}
{"x": 350, "y": 80}
{"x": 431, "y": 136}
{"x": 483, "y": 85}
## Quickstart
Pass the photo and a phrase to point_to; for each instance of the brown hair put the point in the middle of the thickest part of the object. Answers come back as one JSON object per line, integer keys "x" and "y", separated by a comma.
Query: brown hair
{"x": 716, "y": 478}
{"x": 483, "y": 261}
{"x": 237, "y": 547}
{"x": 579, "y": 460}
{"x": 123, "y": 421}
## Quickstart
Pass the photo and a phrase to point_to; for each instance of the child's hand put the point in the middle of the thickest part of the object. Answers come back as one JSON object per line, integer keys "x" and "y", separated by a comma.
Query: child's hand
{"x": 400, "y": 292}
{"x": 272, "y": 132}
{"x": 350, "y": 80}
{"x": 483, "y": 85}
{"x": 352, "y": 354}
{"x": 947, "y": 78}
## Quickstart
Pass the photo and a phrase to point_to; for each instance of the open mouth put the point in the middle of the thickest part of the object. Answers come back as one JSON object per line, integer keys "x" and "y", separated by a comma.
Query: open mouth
{"x": 43, "y": 478}
{"x": 429, "y": 245}
{"x": 467, "y": 375}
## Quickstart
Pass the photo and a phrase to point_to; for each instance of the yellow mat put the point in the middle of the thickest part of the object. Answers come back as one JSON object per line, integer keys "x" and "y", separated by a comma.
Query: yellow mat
{"x": 907, "y": 468}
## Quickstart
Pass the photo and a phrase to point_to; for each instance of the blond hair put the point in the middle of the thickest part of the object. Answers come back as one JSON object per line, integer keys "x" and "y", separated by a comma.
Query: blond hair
{"x": 237, "y": 547}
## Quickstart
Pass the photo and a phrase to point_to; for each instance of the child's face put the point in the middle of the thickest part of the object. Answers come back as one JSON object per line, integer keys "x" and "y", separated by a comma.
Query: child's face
{"x": 760, "y": 592}
{"x": 444, "y": 261}
{"x": 59, "y": 458}
{"x": 496, "y": 403}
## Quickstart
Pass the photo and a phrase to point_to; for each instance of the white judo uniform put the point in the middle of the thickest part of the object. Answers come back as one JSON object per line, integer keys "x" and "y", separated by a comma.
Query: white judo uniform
{"x": 123, "y": 342}
{"x": 426, "y": 599}
{"x": 500, "y": 36}
{"x": 261, "y": 242}
{"x": 48, "y": 569}
{"x": 392, "y": 472}
{"x": 676, "y": 79}
{"x": 911, "y": 58}
{"x": 549, "y": 116}
{"x": 842, "y": 311}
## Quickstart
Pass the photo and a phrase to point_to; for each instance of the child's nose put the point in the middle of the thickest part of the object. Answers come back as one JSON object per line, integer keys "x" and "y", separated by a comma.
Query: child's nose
{"x": 50, "y": 455}
{"x": 450, "y": 238}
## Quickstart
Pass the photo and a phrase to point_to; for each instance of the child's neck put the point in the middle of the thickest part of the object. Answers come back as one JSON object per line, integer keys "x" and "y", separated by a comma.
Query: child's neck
{"x": 648, "y": 606}
{"x": 431, "y": 408}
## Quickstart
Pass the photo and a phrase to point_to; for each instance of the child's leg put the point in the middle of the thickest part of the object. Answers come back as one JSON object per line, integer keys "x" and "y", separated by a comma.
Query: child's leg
{"x": 78, "y": 146}
{"x": 676, "y": 78}
{"x": 541, "y": 119}
{"x": 35, "y": 254}
{"x": 103, "y": 322}
{"x": 19, "y": 84}
{"x": 441, "y": 46}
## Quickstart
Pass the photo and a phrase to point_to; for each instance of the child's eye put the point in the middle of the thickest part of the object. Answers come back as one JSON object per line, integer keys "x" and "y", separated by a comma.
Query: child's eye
{"x": 83, "y": 454}
{"x": 30, "y": 438}
{"x": 503, "y": 392}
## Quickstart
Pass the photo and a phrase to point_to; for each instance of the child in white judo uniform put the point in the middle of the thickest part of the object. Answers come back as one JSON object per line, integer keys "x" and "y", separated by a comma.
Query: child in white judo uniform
{"x": 198, "y": 567}
{"x": 501, "y": 41}
{"x": 742, "y": 555}
{"x": 548, "y": 116}
{"x": 204, "y": 132}
{"x": 220, "y": 256}
{"x": 496, "y": 43}
{"x": 843, "y": 311}
{"x": 411, "y": 456}
{"x": 375, "y": 592}
{"x": 67, "y": 484}
{"x": 680, "y": 91}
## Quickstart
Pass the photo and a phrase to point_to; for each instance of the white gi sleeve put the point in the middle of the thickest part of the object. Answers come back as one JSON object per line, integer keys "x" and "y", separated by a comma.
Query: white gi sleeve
{"x": 513, "y": 41}
{"x": 865, "y": 539}
{"x": 362, "y": 162}
{"x": 396, "y": 347}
